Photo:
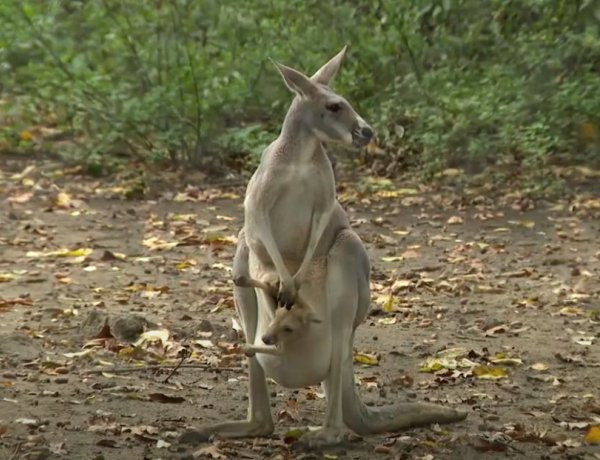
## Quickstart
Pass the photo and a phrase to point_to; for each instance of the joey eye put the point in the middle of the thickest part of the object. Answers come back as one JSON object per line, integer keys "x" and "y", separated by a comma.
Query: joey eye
{"x": 288, "y": 329}
{"x": 334, "y": 107}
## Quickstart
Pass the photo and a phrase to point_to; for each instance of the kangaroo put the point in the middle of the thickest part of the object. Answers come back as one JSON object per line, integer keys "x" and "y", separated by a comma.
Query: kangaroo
{"x": 286, "y": 325}
{"x": 296, "y": 231}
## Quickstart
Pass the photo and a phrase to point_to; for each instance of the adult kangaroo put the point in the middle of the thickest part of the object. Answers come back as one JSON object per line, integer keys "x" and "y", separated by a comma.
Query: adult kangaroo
{"x": 297, "y": 235}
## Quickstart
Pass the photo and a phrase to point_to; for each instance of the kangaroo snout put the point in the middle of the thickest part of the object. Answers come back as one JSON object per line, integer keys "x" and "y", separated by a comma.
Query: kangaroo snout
{"x": 366, "y": 132}
{"x": 268, "y": 339}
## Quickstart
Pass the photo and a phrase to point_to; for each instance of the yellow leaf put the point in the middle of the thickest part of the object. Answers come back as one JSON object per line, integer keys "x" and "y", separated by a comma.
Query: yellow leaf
{"x": 389, "y": 305}
{"x": 523, "y": 223}
{"x": 26, "y": 135}
{"x": 540, "y": 367}
{"x": 504, "y": 358}
{"x": 593, "y": 435}
{"x": 571, "y": 311}
{"x": 219, "y": 239}
{"x": 155, "y": 243}
{"x": 185, "y": 264}
{"x": 397, "y": 192}
{"x": 366, "y": 358}
{"x": 391, "y": 259}
{"x": 63, "y": 200}
{"x": 453, "y": 353}
{"x": 490, "y": 372}
{"x": 486, "y": 289}
{"x": 183, "y": 217}
{"x": 527, "y": 223}
{"x": 4, "y": 277}
{"x": 81, "y": 252}
{"x": 388, "y": 321}
{"x": 455, "y": 220}
{"x": 452, "y": 172}
{"x": 294, "y": 433}
{"x": 229, "y": 196}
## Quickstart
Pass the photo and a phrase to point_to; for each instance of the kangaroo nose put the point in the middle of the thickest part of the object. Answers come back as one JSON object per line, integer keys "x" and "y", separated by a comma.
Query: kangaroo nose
{"x": 268, "y": 339}
{"x": 366, "y": 132}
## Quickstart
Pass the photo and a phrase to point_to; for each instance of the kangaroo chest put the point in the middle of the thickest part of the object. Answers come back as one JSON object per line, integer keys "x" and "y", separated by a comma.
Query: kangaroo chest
{"x": 290, "y": 197}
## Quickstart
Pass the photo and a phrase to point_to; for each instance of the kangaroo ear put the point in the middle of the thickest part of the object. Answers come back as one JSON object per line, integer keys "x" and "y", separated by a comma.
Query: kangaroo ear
{"x": 326, "y": 73}
{"x": 296, "y": 81}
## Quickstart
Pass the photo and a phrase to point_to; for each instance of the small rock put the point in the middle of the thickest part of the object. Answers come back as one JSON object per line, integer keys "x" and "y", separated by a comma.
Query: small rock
{"x": 61, "y": 380}
{"x": 205, "y": 326}
{"x": 9, "y": 375}
{"x": 128, "y": 328}
{"x": 382, "y": 450}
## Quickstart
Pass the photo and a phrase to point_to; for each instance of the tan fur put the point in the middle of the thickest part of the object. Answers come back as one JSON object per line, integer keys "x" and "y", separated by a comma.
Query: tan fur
{"x": 297, "y": 234}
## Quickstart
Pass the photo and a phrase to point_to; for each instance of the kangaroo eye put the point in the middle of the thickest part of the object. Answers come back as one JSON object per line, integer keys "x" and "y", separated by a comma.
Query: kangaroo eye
{"x": 335, "y": 107}
{"x": 288, "y": 329}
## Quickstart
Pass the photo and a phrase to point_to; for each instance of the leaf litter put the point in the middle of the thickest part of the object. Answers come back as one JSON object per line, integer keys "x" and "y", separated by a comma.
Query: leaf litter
{"x": 476, "y": 302}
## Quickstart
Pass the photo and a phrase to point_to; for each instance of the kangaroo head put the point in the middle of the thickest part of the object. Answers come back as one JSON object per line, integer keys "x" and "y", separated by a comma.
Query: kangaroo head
{"x": 288, "y": 325}
{"x": 325, "y": 113}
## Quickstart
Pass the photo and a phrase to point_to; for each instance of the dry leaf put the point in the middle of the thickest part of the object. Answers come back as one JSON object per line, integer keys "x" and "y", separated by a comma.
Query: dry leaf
{"x": 593, "y": 435}
{"x": 210, "y": 452}
{"x": 490, "y": 372}
{"x": 455, "y": 220}
{"x": 366, "y": 358}
{"x": 540, "y": 367}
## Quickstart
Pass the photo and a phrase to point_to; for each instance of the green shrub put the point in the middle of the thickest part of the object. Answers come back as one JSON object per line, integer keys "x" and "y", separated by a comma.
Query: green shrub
{"x": 447, "y": 82}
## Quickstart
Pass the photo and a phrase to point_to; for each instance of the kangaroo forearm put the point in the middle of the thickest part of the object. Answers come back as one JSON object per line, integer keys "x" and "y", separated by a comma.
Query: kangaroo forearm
{"x": 319, "y": 224}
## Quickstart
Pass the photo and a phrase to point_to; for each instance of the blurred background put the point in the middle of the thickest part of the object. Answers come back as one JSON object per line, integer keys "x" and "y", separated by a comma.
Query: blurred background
{"x": 512, "y": 84}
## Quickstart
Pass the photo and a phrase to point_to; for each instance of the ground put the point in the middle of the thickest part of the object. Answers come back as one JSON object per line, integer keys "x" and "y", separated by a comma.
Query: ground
{"x": 482, "y": 299}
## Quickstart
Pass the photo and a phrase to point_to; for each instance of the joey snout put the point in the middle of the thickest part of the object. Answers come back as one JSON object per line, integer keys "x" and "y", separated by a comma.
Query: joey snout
{"x": 269, "y": 339}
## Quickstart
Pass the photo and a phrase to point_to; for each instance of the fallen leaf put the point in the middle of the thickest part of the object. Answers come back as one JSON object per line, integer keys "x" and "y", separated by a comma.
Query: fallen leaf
{"x": 455, "y": 220}
{"x": 389, "y": 305}
{"x": 26, "y": 135}
{"x": 388, "y": 321}
{"x": 366, "y": 358}
{"x": 571, "y": 311}
{"x": 487, "y": 289}
{"x": 63, "y": 200}
{"x": 160, "y": 335}
{"x": 593, "y": 435}
{"x": 294, "y": 434}
{"x": 21, "y": 198}
{"x": 490, "y": 372}
{"x": 163, "y": 398}
{"x": 585, "y": 341}
{"x": 209, "y": 451}
{"x": 156, "y": 244}
{"x": 5, "y": 277}
{"x": 503, "y": 358}
{"x": 540, "y": 367}
{"x": 397, "y": 192}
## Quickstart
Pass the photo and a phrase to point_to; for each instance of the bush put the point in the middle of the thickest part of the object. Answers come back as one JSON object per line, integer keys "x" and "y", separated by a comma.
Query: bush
{"x": 444, "y": 82}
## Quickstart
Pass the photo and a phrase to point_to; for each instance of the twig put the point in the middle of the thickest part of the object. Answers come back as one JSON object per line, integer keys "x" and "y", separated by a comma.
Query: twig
{"x": 126, "y": 370}
{"x": 184, "y": 356}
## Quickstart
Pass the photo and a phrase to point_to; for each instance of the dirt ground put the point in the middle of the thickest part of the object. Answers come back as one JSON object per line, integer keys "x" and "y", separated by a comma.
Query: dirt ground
{"x": 482, "y": 300}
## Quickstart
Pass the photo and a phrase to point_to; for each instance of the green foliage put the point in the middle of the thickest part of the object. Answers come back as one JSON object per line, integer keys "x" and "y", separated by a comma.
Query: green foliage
{"x": 444, "y": 82}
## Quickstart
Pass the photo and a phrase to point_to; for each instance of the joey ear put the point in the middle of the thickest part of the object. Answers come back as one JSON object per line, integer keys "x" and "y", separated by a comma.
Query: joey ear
{"x": 296, "y": 81}
{"x": 313, "y": 319}
{"x": 326, "y": 73}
